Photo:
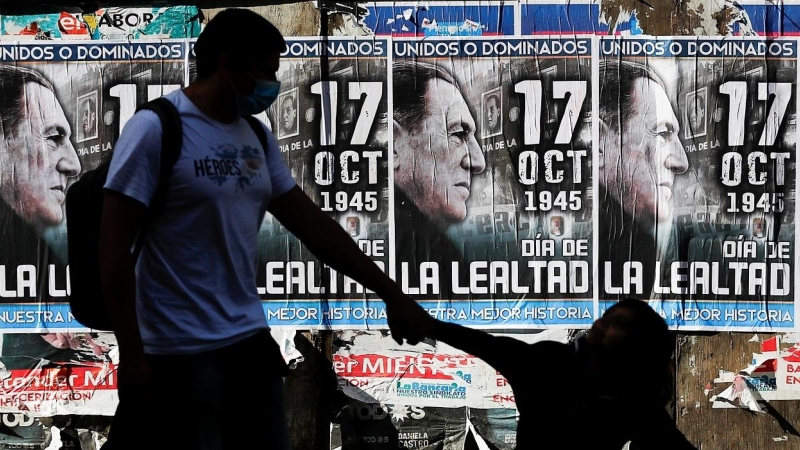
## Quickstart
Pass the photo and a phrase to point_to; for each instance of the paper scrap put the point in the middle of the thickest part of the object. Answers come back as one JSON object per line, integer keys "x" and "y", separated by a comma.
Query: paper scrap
{"x": 741, "y": 391}
{"x": 771, "y": 345}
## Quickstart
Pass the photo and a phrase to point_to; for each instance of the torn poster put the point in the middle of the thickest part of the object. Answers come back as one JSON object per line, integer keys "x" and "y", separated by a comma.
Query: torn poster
{"x": 770, "y": 376}
{"x": 787, "y": 371}
{"x": 367, "y": 425}
{"x": 58, "y": 373}
{"x": 418, "y": 19}
{"x": 391, "y": 387}
{"x": 106, "y": 23}
{"x": 630, "y": 18}
{"x": 372, "y": 368}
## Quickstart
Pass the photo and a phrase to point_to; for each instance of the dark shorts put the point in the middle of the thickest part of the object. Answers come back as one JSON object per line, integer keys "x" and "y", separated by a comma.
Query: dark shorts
{"x": 227, "y": 398}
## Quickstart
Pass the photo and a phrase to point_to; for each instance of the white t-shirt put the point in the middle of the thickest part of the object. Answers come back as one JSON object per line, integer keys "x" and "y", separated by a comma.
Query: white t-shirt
{"x": 195, "y": 278}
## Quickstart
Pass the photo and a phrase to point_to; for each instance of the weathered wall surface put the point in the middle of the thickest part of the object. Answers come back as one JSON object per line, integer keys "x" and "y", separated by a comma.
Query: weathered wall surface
{"x": 295, "y": 19}
{"x": 699, "y": 359}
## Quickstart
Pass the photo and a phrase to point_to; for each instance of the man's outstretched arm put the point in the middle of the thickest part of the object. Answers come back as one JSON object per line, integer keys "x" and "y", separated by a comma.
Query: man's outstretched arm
{"x": 121, "y": 222}
{"x": 333, "y": 246}
{"x": 502, "y": 353}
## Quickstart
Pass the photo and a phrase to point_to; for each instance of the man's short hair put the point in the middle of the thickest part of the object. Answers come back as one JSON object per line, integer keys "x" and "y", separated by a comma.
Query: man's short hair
{"x": 616, "y": 99}
{"x": 411, "y": 80}
{"x": 12, "y": 103}
{"x": 494, "y": 97}
{"x": 288, "y": 98}
{"x": 242, "y": 33}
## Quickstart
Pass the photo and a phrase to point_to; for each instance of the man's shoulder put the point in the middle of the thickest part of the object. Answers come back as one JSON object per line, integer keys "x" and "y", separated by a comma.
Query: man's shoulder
{"x": 149, "y": 119}
{"x": 181, "y": 101}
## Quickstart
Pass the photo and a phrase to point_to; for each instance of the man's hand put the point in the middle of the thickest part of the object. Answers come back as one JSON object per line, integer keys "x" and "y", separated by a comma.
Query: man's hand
{"x": 407, "y": 320}
{"x": 328, "y": 241}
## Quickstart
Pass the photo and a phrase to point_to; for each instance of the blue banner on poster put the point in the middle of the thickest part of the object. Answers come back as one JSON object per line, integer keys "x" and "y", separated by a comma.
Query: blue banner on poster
{"x": 582, "y": 17}
{"x": 497, "y": 314}
{"x": 442, "y": 19}
{"x": 728, "y": 315}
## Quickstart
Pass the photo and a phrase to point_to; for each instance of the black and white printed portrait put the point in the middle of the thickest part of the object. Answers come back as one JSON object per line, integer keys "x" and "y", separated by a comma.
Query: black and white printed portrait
{"x": 353, "y": 226}
{"x": 759, "y": 227}
{"x": 694, "y": 123}
{"x": 492, "y": 113}
{"x": 288, "y": 125}
{"x": 87, "y": 117}
{"x": 640, "y": 154}
{"x": 557, "y": 226}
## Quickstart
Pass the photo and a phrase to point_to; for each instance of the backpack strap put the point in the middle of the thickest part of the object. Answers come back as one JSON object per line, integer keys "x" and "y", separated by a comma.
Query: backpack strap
{"x": 171, "y": 141}
{"x": 258, "y": 129}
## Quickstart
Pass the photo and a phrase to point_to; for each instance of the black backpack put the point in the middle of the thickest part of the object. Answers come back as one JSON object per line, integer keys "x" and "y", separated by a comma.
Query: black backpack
{"x": 84, "y": 206}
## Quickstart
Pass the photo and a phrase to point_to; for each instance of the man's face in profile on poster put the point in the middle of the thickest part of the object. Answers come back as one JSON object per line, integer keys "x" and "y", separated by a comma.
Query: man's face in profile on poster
{"x": 37, "y": 158}
{"x": 435, "y": 161}
{"x": 639, "y": 175}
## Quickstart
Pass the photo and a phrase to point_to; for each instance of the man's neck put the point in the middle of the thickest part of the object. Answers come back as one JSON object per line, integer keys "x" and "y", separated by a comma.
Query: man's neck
{"x": 213, "y": 98}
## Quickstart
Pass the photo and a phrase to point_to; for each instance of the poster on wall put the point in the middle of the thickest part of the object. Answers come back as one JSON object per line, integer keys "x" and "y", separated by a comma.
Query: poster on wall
{"x": 58, "y": 373}
{"x": 415, "y": 19}
{"x": 374, "y": 426}
{"x": 64, "y": 104}
{"x": 23, "y": 431}
{"x": 401, "y": 393}
{"x": 331, "y": 123}
{"x": 697, "y": 179}
{"x": 492, "y": 179}
{"x": 106, "y": 23}
{"x": 741, "y": 18}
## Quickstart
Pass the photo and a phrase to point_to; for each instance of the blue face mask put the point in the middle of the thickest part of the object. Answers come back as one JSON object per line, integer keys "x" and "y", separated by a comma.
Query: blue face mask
{"x": 264, "y": 94}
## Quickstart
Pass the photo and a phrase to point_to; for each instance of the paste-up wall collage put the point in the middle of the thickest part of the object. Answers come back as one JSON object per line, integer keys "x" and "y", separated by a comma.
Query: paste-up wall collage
{"x": 565, "y": 169}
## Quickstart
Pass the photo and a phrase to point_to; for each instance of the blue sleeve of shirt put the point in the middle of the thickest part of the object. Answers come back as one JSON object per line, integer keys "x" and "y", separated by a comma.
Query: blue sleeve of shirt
{"x": 136, "y": 161}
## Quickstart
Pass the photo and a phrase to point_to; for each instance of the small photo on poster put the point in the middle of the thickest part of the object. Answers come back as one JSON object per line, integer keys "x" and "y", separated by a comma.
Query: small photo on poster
{"x": 288, "y": 104}
{"x": 353, "y": 226}
{"x": 87, "y": 116}
{"x": 556, "y": 226}
{"x": 759, "y": 227}
{"x": 694, "y": 123}
{"x": 492, "y": 113}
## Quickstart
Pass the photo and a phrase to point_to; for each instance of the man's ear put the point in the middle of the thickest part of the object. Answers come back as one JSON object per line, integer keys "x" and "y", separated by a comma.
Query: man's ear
{"x": 399, "y": 133}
